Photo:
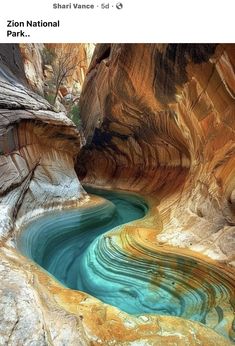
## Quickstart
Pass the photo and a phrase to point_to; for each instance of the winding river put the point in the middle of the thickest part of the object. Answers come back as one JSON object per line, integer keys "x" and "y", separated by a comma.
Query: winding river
{"x": 83, "y": 249}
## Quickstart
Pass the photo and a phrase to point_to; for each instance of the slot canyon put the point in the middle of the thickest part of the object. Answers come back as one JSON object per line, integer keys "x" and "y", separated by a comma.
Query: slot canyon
{"x": 117, "y": 194}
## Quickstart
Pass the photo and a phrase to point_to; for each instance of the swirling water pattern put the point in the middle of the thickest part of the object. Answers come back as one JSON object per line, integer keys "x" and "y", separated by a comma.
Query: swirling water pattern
{"x": 78, "y": 248}
{"x": 58, "y": 240}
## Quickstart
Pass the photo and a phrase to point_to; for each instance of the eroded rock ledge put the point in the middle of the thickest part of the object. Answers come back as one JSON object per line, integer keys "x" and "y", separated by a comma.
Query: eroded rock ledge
{"x": 159, "y": 119}
{"x": 38, "y": 147}
{"x": 37, "y": 151}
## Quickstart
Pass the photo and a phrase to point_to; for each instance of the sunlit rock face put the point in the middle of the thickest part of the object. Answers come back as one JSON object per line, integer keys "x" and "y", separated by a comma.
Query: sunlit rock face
{"x": 31, "y": 54}
{"x": 38, "y": 73}
{"x": 160, "y": 119}
{"x": 37, "y": 151}
{"x": 80, "y": 53}
{"x": 83, "y": 54}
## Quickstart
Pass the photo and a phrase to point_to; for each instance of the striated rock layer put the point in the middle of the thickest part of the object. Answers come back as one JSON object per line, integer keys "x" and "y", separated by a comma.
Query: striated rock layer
{"x": 37, "y": 152}
{"x": 31, "y": 54}
{"x": 38, "y": 147}
{"x": 124, "y": 268}
{"x": 36, "y": 309}
{"x": 159, "y": 119}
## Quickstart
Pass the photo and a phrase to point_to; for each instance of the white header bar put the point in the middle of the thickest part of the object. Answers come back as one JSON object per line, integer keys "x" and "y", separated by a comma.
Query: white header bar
{"x": 200, "y": 21}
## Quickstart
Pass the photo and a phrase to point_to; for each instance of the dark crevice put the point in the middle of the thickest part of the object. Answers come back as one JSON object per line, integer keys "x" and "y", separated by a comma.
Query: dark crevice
{"x": 12, "y": 107}
{"x": 27, "y": 181}
{"x": 103, "y": 138}
{"x": 104, "y": 53}
{"x": 171, "y": 64}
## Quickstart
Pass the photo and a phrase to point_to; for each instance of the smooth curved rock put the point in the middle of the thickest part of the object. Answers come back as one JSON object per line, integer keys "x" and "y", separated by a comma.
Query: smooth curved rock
{"x": 160, "y": 119}
{"x": 125, "y": 267}
{"x": 38, "y": 148}
{"x": 37, "y": 151}
{"x": 32, "y": 304}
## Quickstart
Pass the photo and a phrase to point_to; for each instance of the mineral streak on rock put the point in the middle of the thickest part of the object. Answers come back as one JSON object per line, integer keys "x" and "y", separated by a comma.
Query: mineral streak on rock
{"x": 159, "y": 119}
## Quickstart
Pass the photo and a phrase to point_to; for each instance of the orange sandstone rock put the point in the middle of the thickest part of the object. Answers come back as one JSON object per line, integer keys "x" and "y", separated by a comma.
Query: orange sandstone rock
{"x": 159, "y": 119}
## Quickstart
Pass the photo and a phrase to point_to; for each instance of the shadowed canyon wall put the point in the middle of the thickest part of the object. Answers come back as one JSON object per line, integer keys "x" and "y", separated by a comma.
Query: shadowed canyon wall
{"x": 159, "y": 119}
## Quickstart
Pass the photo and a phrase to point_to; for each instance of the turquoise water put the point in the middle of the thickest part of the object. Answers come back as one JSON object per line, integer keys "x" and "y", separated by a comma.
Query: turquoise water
{"x": 78, "y": 248}
{"x": 59, "y": 241}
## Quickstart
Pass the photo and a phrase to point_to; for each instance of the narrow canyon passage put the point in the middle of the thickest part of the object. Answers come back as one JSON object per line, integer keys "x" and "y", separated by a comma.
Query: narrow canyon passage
{"x": 117, "y": 195}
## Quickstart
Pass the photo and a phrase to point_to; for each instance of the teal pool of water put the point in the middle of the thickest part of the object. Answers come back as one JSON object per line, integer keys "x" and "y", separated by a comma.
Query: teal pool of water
{"x": 58, "y": 241}
{"x": 79, "y": 249}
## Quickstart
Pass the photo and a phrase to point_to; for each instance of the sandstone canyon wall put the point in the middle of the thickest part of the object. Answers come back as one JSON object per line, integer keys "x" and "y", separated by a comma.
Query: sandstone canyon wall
{"x": 38, "y": 72}
{"x": 137, "y": 100}
{"x": 37, "y": 151}
{"x": 159, "y": 119}
{"x": 82, "y": 53}
{"x": 38, "y": 147}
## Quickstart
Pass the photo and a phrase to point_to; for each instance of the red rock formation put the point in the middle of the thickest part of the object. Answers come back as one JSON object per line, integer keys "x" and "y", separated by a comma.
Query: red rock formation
{"x": 156, "y": 148}
{"x": 160, "y": 119}
{"x": 37, "y": 151}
